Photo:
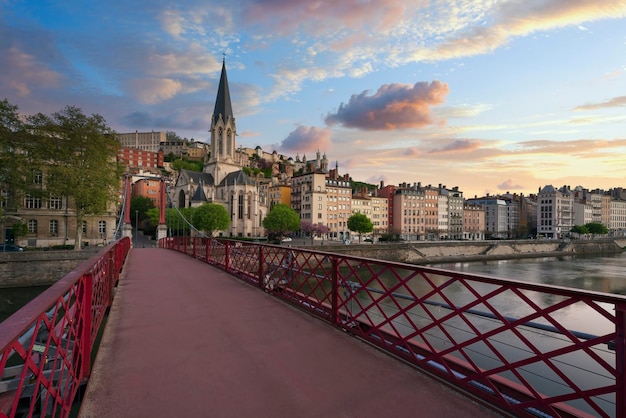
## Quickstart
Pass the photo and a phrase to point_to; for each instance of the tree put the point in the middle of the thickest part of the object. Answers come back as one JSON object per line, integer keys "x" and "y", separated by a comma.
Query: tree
{"x": 596, "y": 228}
{"x": 579, "y": 229}
{"x": 16, "y": 156}
{"x": 176, "y": 220}
{"x": 80, "y": 156}
{"x": 281, "y": 220}
{"x": 141, "y": 205}
{"x": 360, "y": 223}
{"x": 211, "y": 217}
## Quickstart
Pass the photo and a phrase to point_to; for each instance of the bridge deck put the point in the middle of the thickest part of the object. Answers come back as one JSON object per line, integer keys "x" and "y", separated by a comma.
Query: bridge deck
{"x": 186, "y": 339}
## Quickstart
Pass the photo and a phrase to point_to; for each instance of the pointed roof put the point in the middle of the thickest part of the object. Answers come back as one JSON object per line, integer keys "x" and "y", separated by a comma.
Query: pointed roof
{"x": 237, "y": 178}
{"x": 199, "y": 195}
{"x": 222, "y": 103}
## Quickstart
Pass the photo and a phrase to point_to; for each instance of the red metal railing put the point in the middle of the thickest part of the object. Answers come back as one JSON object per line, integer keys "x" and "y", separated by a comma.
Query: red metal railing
{"x": 530, "y": 349}
{"x": 45, "y": 347}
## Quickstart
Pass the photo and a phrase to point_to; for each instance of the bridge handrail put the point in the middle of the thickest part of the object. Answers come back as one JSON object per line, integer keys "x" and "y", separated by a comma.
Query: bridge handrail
{"x": 428, "y": 317}
{"x": 46, "y": 346}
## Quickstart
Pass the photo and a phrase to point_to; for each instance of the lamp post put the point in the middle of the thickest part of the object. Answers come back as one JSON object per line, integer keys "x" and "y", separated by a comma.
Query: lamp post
{"x": 136, "y": 227}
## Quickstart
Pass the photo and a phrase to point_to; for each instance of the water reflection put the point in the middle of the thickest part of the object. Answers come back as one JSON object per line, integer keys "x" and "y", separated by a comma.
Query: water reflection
{"x": 598, "y": 273}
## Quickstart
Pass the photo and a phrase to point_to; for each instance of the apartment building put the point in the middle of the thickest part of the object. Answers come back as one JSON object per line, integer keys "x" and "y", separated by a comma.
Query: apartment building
{"x": 453, "y": 212}
{"x": 146, "y": 141}
{"x": 309, "y": 196}
{"x": 473, "y": 221}
{"x": 279, "y": 193}
{"x": 140, "y": 159}
{"x": 374, "y": 207}
{"x": 617, "y": 219}
{"x": 555, "y": 211}
{"x": 339, "y": 205}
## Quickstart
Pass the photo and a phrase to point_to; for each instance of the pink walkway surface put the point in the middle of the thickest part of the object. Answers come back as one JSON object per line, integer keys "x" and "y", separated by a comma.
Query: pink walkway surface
{"x": 184, "y": 339}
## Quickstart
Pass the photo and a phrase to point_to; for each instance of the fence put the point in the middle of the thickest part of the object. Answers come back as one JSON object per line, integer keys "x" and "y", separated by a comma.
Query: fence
{"x": 529, "y": 349}
{"x": 45, "y": 347}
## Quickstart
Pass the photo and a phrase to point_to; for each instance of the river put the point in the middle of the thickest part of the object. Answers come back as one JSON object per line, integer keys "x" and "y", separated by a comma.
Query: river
{"x": 597, "y": 273}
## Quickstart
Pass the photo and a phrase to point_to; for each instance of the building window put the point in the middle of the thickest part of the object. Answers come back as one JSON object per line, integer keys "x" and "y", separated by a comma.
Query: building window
{"x": 32, "y": 202}
{"x": 240, "y": 207}
{"x": 54, "y": 227}
{"x": 102, "y": 228}
{"x": 84, "y": 229}
{"x": 32, "y": 226}
{"x": 55, "y": 202}
{"x": 4, "y": 198}
{"x": 37, "y": 177}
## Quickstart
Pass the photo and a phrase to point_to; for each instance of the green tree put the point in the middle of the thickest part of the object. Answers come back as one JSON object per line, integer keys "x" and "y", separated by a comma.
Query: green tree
{"x": 80, "y": 152}
{"x": 20, "y": 229}
{"x": 16, "y": 157}
{"x": 596, "y": 228}
{"x": 211, "y": 217}
{"x": 281, "y": 220}
{"x": 360, "y": 223}
{"x": 176, "y": 221}
{"x": 139, "y": 207}
{"x": 579, "y": 229}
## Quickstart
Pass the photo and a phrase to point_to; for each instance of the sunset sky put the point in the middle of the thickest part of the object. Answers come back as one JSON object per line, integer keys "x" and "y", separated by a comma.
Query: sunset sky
{"x": 490, "y": 96}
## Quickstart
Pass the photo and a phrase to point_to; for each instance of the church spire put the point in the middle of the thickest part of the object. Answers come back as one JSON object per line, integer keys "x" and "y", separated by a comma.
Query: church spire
{"x": 222, "y": 103}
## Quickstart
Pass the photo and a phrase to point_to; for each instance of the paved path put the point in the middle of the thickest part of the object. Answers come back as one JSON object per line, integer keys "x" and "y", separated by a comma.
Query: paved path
{"x": 185, "y": 339}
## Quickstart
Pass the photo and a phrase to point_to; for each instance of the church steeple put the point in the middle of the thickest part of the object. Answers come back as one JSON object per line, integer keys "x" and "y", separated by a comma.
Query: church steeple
{"x": 223, "y": 133}
{"x": 222, "y": 103}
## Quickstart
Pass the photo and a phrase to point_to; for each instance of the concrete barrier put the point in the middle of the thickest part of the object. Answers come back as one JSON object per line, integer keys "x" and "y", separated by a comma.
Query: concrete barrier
{"x": 39, "y": 268}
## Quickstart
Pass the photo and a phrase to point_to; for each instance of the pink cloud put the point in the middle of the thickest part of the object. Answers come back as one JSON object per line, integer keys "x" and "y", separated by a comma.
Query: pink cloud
{"x": 509, "y": 185}
{"x": 306, "y": 138}
{"x": 614, "y": 102}
{"x": 316, "y": 16}
{"x": 393, "y": 106}
{"x": 460, "y": 145}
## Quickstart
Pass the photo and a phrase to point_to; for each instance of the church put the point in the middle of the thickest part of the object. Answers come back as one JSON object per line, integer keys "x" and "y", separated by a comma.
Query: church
{"x": 223, "y": 180}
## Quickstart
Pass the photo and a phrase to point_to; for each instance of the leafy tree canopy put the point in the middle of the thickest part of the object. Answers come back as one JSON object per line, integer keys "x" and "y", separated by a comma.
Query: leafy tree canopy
{"x": 211, "y": 217}
{"x": 79, "y": 157}
{"x": 360, "y": 223}
{"x": 16, "y": 156}
{"x": 179, "y": 164}
{"x": 281, "y": 220}
{"x": 141, "y": 205}
{"x": 596, "y": 228}
{"x": 579, "y": 229}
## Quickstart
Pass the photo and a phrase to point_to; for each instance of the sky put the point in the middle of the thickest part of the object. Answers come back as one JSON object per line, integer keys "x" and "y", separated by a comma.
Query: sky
{"x": 490, "y": 96}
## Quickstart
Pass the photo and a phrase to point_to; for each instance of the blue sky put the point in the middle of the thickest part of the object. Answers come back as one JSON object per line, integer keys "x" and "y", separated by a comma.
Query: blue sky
{"x": 489, "y": 96}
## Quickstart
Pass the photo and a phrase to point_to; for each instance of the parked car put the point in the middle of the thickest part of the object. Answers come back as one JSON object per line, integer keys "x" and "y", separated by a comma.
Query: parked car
{"x": 286, "y": 239}
{"x": 10, "y": 248}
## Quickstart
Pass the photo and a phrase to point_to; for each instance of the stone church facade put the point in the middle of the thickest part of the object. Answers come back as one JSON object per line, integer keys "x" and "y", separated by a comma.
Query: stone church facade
{"x": 223, "y": 180}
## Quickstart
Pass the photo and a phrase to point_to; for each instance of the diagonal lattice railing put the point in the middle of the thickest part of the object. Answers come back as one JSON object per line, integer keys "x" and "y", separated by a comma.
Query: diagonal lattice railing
{"x": 45, "y": 347}
{"x": 530, "y": 349}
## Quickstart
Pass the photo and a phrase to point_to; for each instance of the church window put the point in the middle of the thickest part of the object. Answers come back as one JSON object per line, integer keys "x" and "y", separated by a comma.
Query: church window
{"x": 220, "y": 141}
{"x": 240, "y": 207}
{"x": 249, "y": 206}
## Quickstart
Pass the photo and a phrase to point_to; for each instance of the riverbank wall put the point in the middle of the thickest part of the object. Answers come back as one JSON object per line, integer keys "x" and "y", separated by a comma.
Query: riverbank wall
{"x": 39, "y": 268}
{"x": 429, "y": 252}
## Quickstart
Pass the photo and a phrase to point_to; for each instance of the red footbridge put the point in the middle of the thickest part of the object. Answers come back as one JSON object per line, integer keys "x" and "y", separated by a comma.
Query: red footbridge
{"x": 204, "y": 327}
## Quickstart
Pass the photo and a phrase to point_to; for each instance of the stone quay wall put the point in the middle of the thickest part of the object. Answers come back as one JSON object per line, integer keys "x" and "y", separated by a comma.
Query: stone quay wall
{"x": 435, "y": 252}
{"x": 39, "y": 268}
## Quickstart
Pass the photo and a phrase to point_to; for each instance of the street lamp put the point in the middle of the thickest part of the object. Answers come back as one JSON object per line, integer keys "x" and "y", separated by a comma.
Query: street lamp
{"x": 136, "y": 227}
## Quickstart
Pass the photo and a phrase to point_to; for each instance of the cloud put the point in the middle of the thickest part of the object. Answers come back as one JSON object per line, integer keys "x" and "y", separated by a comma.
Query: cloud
{"x": 509, "y": 185}
{"x": 306, "y": 139}
{"x": 154, "y": 90}
{"x": 459, "y": 145}
{"x": 517, "y": 19}
{"x": 614, "y": 102}
{"x": 314, "y": 17}
{"x": 22, "y": 73}
{"x": 393, "y": 106}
